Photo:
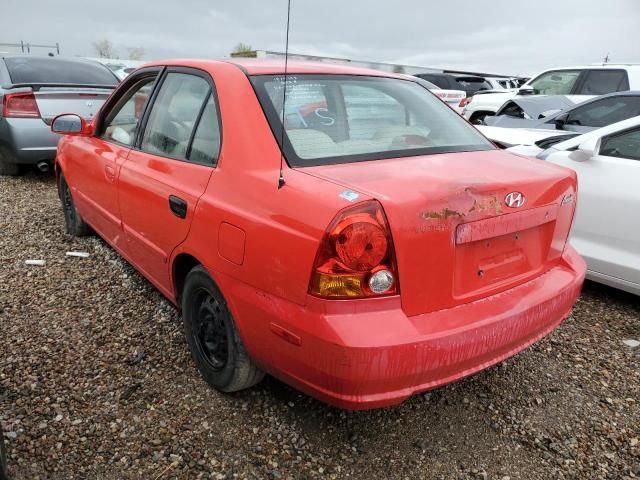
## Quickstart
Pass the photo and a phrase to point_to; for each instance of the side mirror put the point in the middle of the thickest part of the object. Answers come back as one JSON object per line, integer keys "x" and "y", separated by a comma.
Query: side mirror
{"x": 71, "y": 124}
{"x": 586, "y": 150}
{"x": 526, "y": 90}
{"x": 560, "y": 121}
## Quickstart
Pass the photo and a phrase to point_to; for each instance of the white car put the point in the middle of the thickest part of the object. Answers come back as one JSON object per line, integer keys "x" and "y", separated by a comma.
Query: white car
{"x": 522, "y": 137}
{"x": 454, "y": 98}
{"x": 577, "y": 83}
{"x": 606, "y": 228}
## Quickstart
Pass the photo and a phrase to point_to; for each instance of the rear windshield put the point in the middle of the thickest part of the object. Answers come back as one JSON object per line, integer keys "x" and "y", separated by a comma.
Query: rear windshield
{"x": 347, "y": 118}
{"x": 57, "y": 71}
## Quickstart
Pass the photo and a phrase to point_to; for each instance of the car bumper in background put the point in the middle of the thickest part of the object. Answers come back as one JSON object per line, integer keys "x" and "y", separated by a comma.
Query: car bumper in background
{"x": 369, "y": 354}
{"x": 26, "y": 141}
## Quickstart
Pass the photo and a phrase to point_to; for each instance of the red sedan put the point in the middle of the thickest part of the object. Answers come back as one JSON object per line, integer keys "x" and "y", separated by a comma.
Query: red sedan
{"x": 377, "y": 247}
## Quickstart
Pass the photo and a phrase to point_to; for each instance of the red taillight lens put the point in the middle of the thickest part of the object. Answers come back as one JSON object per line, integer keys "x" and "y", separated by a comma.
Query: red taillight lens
{"x": 465, "y": 101}
{"x": 356, "y": 257}
{"x": 20, "y": 105}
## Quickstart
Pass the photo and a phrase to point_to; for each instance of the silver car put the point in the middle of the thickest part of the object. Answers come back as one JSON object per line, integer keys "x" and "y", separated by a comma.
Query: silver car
{"x": 33, "y": 90}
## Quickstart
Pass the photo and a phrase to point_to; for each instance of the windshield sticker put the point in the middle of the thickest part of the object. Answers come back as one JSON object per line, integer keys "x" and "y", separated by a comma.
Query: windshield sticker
{"x": 350, "y": 195}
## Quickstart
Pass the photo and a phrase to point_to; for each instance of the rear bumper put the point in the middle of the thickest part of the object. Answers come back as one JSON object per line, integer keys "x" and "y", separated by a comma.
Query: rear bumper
{"x": 369, "y": 354}
{"x": 26, "y": 141}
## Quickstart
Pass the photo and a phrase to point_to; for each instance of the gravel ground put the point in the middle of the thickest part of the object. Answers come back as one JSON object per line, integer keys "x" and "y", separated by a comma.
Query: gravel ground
{"x": 96, "y": 382}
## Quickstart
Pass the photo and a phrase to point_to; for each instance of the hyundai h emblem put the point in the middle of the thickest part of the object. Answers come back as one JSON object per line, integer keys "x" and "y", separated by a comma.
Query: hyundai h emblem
{"x": 514, "y": 199}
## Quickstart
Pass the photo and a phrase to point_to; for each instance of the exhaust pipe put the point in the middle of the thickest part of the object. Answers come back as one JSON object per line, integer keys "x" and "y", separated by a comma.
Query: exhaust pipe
{"x": 43, "y": 166}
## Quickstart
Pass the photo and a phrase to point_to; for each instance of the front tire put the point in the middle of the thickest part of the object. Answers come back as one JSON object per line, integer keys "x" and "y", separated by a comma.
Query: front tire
{"x": 74, "y": 223}
{"x": 214, "y": 341}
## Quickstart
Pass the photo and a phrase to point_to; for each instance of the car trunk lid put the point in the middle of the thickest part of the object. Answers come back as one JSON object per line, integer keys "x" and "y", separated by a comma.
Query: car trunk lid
{"x": 456, "y": 238}
{"x": 81, "y": 100}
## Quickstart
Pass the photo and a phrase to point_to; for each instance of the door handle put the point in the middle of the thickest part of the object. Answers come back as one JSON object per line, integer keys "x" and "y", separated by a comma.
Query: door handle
{"x": 177, "y": 206}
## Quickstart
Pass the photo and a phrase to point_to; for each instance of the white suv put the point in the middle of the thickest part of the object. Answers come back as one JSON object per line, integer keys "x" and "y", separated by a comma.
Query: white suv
{"x": 577, "y": 83}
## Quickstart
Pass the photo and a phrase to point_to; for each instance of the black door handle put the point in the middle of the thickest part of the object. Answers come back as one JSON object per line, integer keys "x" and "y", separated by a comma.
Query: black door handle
{"x": 178, "y": 206}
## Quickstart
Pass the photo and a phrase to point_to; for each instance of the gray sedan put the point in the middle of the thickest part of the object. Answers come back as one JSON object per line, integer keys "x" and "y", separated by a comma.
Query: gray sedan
{"x": 33, "y": 90}
{"x": 559, "y": 113}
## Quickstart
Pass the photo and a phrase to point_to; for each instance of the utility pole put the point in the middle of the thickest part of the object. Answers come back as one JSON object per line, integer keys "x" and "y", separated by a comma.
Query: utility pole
{"x": 606, "y": 59}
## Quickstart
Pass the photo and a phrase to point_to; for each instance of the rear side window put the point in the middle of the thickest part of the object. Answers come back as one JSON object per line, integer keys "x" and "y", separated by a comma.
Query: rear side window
{"x": 605, "y": 112}
{"x": 205, "y": 147}
{"x": 174, "y": 115}
{"x": 599, "y": 82}
{"x": 623, "y": 145}
{"x": 58, "y": 71}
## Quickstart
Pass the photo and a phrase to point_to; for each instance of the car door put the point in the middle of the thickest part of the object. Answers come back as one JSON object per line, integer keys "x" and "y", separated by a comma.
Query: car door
{"x": 95, "y": 161}
{"x": 168, "y": 171}
{"x": 606, "y": 231}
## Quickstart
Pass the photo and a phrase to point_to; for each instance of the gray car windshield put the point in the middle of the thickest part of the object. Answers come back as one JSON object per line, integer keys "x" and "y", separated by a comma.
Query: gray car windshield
{"x": 346, "y": 118}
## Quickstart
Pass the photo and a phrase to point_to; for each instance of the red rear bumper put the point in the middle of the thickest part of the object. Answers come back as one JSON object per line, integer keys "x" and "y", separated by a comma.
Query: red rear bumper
{"x": 369, "y": 354}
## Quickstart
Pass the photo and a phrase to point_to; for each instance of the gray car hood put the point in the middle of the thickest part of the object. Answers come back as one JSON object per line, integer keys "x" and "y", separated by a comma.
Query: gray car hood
{"x": 533, "y": 106}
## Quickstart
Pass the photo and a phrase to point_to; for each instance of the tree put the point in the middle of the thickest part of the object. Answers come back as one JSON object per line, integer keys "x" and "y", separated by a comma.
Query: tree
{"x": 104, "y": 49}
{"x": 136, "y": 53}
{"x": 398, "y": 69}
{"x": 242, "y": 50}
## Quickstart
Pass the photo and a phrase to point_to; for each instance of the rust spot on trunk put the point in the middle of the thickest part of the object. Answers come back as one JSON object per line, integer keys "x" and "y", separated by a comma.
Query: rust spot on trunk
{"x": 465, "y": 203}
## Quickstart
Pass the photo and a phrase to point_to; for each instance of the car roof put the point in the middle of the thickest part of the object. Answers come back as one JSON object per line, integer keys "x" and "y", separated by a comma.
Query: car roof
{"x": 598, "y": 66}
{"x": 276, "y": 66}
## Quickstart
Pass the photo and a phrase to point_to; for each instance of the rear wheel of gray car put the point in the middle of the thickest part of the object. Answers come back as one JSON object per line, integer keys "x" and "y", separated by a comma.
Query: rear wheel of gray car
{"x": 74, "y": 223}
{"x": 214, "y": 341}
{"x": 9, "y": 169}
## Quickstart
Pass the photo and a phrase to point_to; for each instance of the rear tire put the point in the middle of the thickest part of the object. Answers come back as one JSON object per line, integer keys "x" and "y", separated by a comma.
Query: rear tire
{"x": 214, "y": 341}
{"x": 74, "y": 223}
{"x": 9, "y": 169}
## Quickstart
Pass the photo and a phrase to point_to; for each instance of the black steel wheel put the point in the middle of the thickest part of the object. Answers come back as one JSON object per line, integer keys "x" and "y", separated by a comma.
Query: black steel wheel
{"x": 74, "y": 223}
{"x": 214, "y": 341}
{"x": 211, "y": 330}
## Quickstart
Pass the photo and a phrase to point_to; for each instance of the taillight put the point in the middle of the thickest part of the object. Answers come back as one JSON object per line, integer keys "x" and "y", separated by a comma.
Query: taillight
{"x": 356, "y": 257}
{"x": 465, "y": 101}
{"x": 20, "y": 105}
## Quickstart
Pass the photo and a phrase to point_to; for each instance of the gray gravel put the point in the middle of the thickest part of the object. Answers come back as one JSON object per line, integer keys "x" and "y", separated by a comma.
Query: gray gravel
{"x": 96, "y": 382}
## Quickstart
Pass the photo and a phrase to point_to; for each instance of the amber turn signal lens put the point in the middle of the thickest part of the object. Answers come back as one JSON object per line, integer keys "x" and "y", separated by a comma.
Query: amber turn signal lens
{"x": 336, "y": 285}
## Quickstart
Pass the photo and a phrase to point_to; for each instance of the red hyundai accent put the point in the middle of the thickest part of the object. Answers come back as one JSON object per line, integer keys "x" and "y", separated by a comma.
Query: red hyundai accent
{"x": 341, "y": 229}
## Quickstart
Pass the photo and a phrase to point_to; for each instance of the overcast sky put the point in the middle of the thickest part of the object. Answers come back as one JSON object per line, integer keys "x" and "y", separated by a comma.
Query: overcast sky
{"x": 510, "y": 37}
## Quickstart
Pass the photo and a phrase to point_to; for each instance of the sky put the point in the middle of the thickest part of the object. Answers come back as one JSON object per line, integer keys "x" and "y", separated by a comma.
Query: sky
{"x": 514, "y": 37}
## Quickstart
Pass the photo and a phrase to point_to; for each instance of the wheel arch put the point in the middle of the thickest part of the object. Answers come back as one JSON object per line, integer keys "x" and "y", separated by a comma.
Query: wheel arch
{"x": 183, "y": 263}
